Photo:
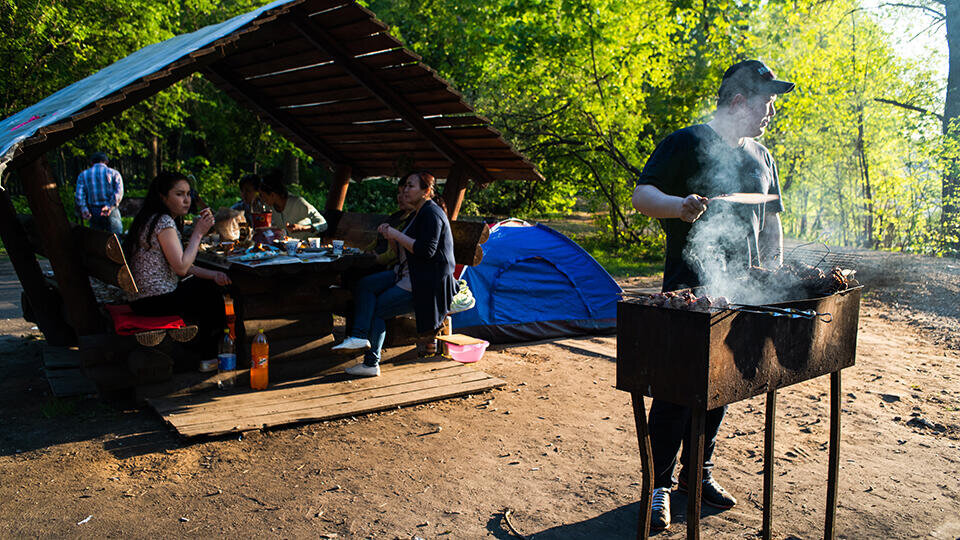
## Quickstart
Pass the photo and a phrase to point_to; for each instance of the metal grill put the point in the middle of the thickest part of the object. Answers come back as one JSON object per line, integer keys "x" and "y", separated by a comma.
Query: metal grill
{"x": 819, "y": 255}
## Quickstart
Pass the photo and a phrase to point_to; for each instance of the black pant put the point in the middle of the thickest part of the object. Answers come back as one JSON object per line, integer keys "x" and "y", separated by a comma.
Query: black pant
{"x": 197, "y": 301}
{"x": 669, "y": 426}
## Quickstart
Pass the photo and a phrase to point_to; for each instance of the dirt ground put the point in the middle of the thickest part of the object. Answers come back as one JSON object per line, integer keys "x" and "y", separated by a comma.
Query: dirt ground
{"x": 557, "y": 447}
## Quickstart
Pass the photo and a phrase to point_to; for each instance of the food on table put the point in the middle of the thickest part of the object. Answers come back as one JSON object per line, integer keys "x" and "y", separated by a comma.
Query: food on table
{"x": 257, "y": 256}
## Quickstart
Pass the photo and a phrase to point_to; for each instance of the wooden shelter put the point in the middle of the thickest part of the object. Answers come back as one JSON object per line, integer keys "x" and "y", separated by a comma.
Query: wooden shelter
{"x": 324, "y": 73}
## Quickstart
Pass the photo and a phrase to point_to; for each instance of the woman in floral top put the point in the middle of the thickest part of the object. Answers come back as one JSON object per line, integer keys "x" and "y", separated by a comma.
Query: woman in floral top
{"x": 159, "y": 260}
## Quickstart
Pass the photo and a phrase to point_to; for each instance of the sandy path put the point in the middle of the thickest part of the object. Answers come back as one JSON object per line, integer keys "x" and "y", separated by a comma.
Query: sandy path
{"x": 557, "y": 446}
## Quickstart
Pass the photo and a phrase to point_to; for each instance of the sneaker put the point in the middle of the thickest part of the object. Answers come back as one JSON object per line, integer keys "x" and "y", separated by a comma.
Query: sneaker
{"x": 352, "y": 344}
{"x": 363, "y": 370}
{"x": 711, "y": 493}
{"x": 660, "y": 509}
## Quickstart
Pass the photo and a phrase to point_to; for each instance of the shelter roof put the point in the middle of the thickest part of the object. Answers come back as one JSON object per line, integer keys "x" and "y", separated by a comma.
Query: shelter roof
{"x": 325, "y": 74}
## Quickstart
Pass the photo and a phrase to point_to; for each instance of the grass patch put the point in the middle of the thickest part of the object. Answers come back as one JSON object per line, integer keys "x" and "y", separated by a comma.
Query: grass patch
{"x": 57, "y": 408}
{"x": 629, "y": 260}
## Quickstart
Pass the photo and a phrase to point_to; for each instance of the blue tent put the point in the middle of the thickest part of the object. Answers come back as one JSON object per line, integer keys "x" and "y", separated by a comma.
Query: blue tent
{"x": 535, "y": 283}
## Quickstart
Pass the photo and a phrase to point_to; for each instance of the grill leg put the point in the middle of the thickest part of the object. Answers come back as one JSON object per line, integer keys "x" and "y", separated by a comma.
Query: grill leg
{"x": 768, "y": 459}
{"x": 698, "y": 418}
{"x": 834, "y": 466}
{"x": 646, "y": 462}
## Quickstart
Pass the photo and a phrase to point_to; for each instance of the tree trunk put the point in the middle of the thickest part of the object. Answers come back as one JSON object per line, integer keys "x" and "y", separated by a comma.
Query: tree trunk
{"x": 950, "y": 217}
{"x": 153, "y": 158}
{"x": 868, "y": 236}
{"x": 291, "y": 168}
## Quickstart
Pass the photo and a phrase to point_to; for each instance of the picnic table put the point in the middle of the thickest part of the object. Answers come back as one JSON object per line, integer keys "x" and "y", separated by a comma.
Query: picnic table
{"x": 293, "y": 299}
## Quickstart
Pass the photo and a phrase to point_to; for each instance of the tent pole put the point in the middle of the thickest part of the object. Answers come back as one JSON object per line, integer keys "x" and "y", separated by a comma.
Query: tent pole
{"x": 60, "y": 247}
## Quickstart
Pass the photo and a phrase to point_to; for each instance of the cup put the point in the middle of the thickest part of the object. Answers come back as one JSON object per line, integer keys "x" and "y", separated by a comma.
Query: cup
{"x": 227, "y": 247}
{"x": 292, "y": 247}
{"x": 315, "y": 243}
{"x": 337, "y": 248}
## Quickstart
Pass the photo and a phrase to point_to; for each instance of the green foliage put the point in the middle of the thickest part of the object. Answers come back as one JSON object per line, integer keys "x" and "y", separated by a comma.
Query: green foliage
{"x": 584, "y": 88}
{"x": 856, "y": 171}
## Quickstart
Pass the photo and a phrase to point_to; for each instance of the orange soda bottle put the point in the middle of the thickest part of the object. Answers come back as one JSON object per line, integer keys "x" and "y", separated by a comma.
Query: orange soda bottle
{"x": 230, "y": 315}
{"x": 259, "y": 353}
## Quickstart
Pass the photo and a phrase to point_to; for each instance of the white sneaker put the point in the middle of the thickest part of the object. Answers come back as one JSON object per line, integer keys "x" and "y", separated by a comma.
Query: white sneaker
{"x": 352, "y": 344}
{"x": 363, "y": 370}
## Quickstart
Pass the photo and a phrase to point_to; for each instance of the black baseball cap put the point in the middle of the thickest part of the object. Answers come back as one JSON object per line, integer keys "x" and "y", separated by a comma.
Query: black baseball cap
{"x": 751, "y": 78}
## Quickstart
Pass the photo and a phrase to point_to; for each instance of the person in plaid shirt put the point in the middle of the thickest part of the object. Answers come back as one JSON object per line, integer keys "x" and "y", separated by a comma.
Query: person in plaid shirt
{"x": 99, "y": 190}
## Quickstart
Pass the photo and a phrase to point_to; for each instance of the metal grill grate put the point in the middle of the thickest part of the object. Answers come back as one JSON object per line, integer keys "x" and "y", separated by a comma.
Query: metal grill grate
{"x": 818, "y": 254}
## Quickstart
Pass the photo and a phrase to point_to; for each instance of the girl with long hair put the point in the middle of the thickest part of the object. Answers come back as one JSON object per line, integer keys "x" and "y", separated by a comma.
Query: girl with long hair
{"x": 158, "y": 261}
{"x": 421, "y": 283}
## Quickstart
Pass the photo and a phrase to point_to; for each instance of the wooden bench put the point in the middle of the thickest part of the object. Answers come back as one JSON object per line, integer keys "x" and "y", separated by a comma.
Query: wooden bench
{"x": 359, "y": 230}
{"x": 149, "y": 354}
{"x": 110, "y": 360}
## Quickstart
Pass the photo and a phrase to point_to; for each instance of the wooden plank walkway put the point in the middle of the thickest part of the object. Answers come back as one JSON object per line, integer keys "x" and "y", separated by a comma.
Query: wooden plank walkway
{"x": 61, "y": 366}
{"x": 325, "y": 398}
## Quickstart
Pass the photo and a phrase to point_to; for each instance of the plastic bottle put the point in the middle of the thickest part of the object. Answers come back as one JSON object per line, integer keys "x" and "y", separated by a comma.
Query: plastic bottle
{"x": 230, "y": 315}
{"x": 259, "y": 354}
{"x": 226, "y": 361}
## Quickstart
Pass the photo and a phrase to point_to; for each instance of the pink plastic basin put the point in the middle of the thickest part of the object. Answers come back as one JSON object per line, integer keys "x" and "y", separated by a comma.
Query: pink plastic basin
{"x": 467, "y": 353}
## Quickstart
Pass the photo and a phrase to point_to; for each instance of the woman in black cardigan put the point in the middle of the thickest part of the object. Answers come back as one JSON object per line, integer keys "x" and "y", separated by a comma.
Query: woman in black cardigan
{"x": 421, "y": 283}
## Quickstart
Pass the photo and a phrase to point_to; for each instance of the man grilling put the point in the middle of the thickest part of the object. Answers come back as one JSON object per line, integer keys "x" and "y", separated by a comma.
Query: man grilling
{"x": 711, "y": 242}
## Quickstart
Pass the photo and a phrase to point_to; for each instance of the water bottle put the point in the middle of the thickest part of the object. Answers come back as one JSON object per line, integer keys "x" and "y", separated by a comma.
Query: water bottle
{"x": 259, "y": 354}
{"x": 226, "y": 361}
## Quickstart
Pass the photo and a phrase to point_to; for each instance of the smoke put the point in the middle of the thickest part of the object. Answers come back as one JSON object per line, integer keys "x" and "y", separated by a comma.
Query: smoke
{"x": 723, "y": 243}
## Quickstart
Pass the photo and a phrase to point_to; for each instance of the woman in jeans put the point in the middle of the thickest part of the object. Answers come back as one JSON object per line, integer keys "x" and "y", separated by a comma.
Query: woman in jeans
{"x": 421, "y": 283}
{"x": 159, "y": 259}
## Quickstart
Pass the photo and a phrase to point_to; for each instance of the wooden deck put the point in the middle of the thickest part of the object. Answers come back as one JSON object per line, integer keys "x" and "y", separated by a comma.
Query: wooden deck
{"x": 323, "y": 398}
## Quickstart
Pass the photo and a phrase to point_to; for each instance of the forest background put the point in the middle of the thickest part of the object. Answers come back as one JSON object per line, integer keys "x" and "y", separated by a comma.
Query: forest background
{"x": 584, "y": 88}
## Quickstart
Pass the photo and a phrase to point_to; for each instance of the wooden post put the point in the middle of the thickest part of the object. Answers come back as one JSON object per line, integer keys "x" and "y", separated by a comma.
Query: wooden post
{"x": 766, "y": 532}
{"x": 455, "y": 189}
{"x": 833, "y": 465}
{"x": 43, "y": 301}
{"x": 60, "y": 247}
{"x": 646, "y": 462}
{"x": 698, "y": 427}
{"x": 338, "y": 187}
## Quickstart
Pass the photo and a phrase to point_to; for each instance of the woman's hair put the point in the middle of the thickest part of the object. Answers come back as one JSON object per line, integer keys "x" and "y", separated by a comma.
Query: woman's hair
{"x": 273, "y": 183}
{"x": 150, "y": 212}
{"x": 426, "y": 181}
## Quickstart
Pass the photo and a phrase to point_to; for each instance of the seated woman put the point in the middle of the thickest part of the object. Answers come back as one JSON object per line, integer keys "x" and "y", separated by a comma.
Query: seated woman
{"x": 293, "y": 211}
{"x": 421, "y": 283}
{"x": 386, "y": 250}
{"x": 159, "y": 259}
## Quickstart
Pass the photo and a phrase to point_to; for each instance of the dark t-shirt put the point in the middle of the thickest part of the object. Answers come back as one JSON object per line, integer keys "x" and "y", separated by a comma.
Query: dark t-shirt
{"x": 725, "y": 240}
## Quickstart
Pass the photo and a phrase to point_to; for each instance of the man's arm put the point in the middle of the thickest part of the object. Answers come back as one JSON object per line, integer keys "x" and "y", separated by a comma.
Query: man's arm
{"x": 80, "y": 197}
{"x": 771, "y": 242}
{"x": 650, "y": 201}
{"x": 118, "y": 193}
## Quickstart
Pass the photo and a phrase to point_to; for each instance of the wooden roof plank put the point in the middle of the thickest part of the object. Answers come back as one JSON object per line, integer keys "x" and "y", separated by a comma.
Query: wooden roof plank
{"x": 341, "y": 16}
{"x": 278, "y": 118}
{"x": 307, "y": 58}
{"x": 366, "y": 76}
{"x": 316, "y": 6}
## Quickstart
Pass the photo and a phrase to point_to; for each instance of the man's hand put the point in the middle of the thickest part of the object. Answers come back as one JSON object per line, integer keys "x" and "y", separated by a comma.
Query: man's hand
{"x": 293, "y": 227}
{"x": 85, "y": 214}
{"x": 105, "y": 211}
{"x": 692, "y": 207}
